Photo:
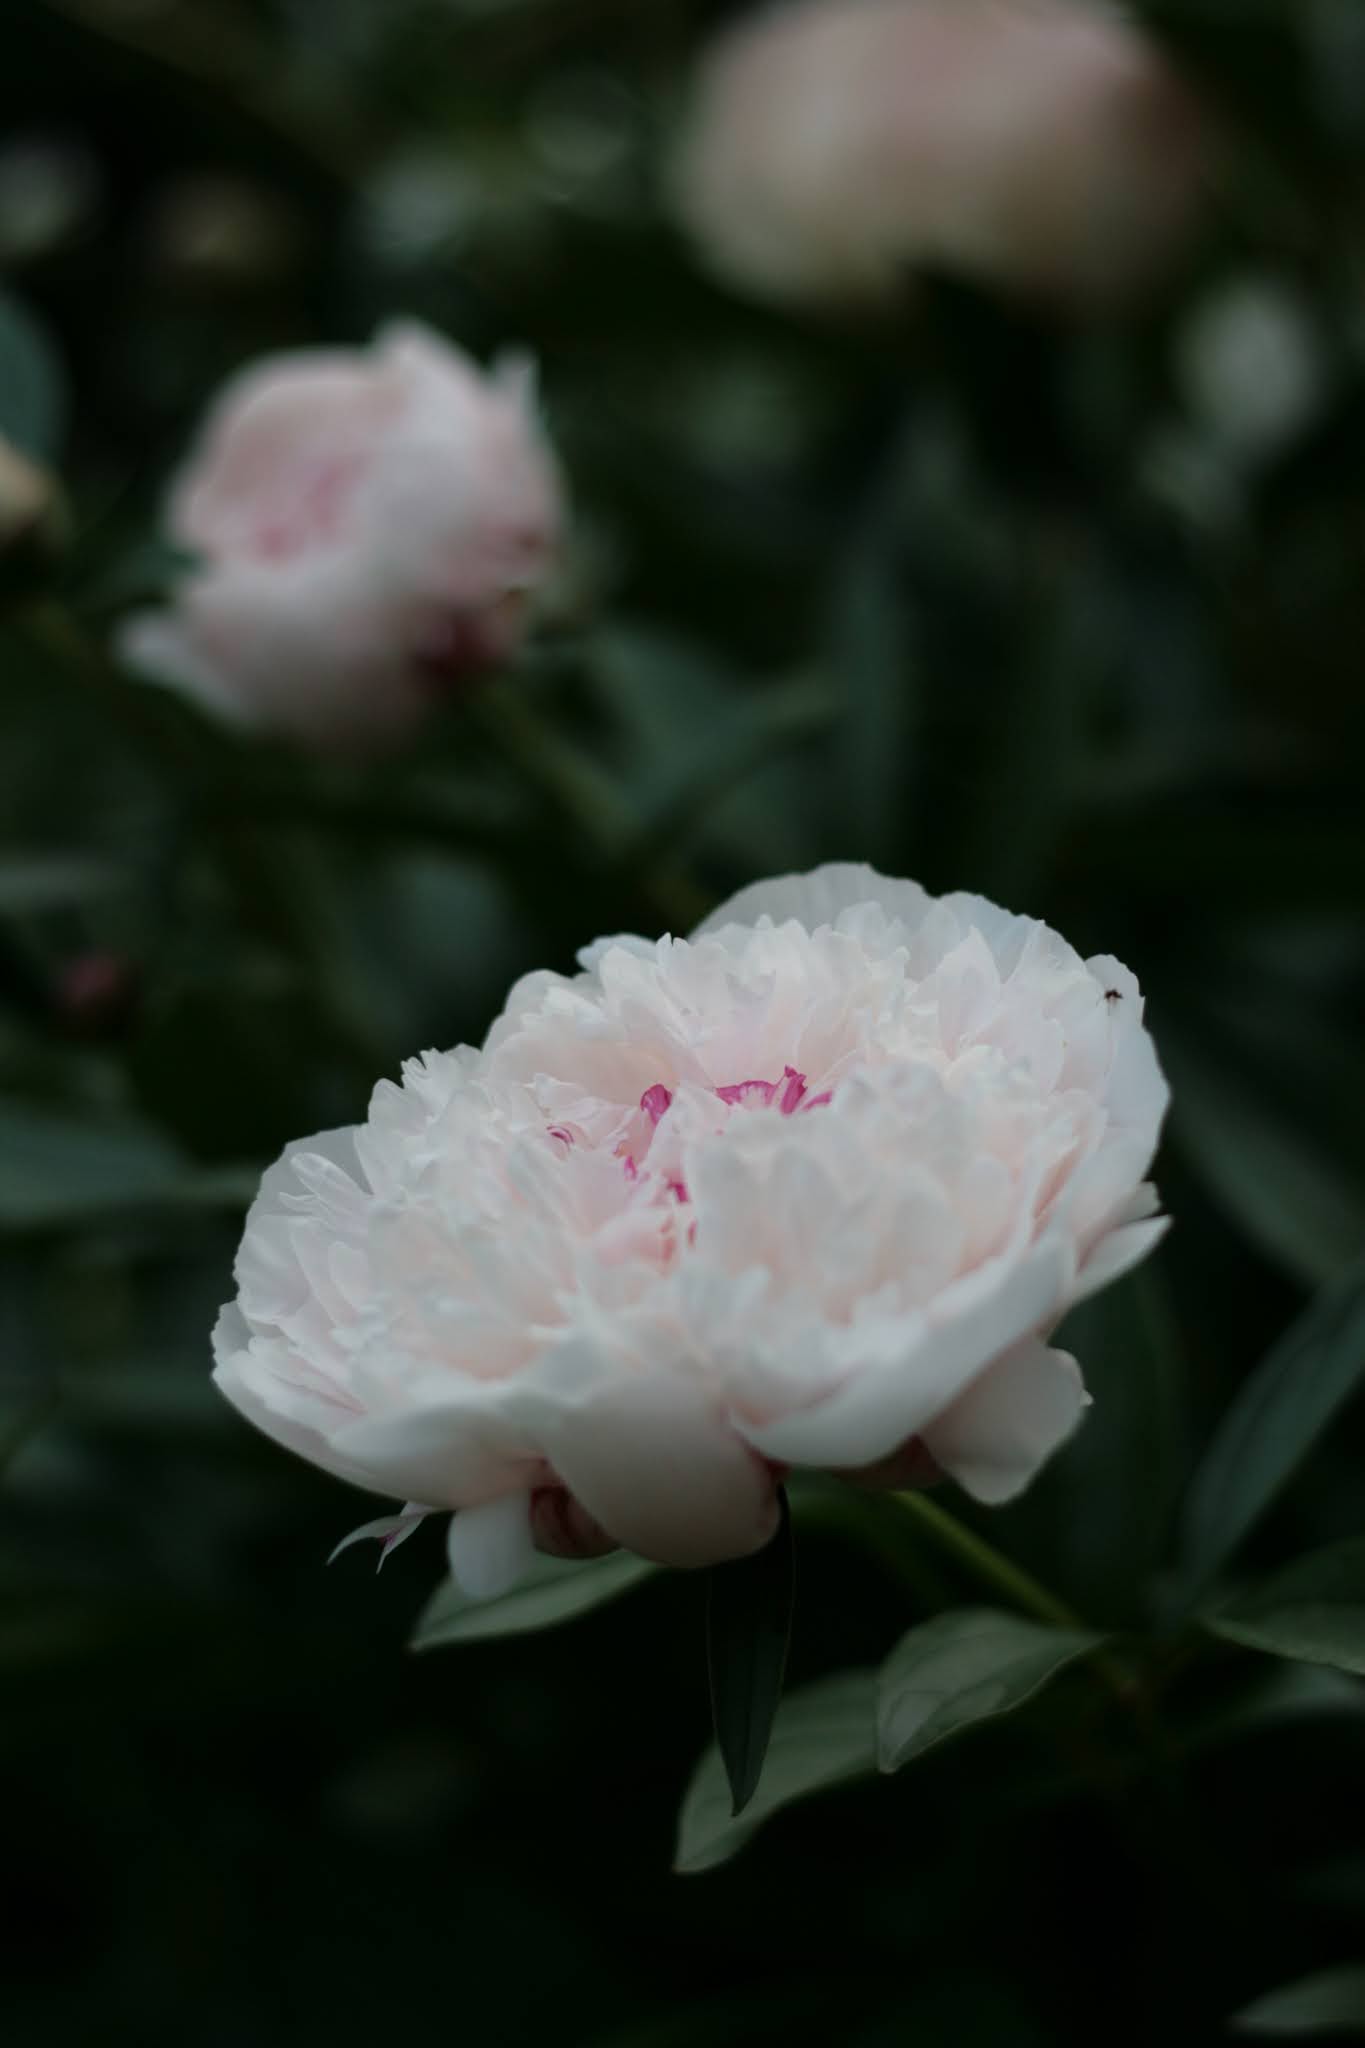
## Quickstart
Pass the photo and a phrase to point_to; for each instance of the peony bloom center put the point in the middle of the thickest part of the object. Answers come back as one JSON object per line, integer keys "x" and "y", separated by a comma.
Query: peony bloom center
{"x": 664, "y": 1182}
{"x": 598, "y": 1280}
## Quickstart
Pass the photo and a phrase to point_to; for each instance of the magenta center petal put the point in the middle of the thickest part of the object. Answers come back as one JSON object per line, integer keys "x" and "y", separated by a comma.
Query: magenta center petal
{"x": 635, "y": 1143}
{"x": 793, "y": 1090}
{"x": 655, "y": 1101}
{"x": 786, "y": 1093}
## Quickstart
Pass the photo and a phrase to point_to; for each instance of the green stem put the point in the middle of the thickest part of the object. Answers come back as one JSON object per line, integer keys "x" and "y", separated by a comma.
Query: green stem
{"x": 585, "y": 796}
{"x": 286, "y": 880}
{"x": 16, "y": 1431}
{"x": 462, "y": 830}
{"x": 803, "y": 715}
{"x": 986, "y": 1563}
{"x": 1014, "y": 1584}
{"x": 576, "y": 786}
{"x": 57, "y": 638}
{"x": 282, "y": 889}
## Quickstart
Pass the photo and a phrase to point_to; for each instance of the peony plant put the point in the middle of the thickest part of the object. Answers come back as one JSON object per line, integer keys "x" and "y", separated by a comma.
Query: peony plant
{"x": 806, "y": 1191}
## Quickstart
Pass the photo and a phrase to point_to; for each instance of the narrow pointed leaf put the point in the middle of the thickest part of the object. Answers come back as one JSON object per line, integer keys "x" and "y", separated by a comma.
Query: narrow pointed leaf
{"x": 1314, "y": 1610}
{"x": 748, "y": 1624}
{"x": 34, "y": 882}
{"x": 1274, "y": 1175}
{"x": 1333, "y": 2002}
{"x": 824, "y": 1735}
{"x": 1104, "y": 1521}
{"x": 32, "y": 394}
{"x": 1272, "y": 1424}
{"x": 555, "y": 1591}
{"x": 961, "y": 1668}
{"x": 59, "y": 1168}
{"x": 1281, "y": 1695}
{"x": 870, "y": 652}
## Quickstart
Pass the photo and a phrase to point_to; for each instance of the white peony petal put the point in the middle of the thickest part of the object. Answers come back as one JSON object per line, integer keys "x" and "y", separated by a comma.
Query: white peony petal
{"x": 159, "y": 647}
{"x": 465, "y": 1448}
{"x": 1098, "y": 1191}
{"x": 995, "y": 1436}
{"x": 880, "y": 1405}
{"x": 297, "y": 1408}
{"x": 265, "y": 421}
{"x": 662, "y": 1473}
{"x": 490, "y": 1548}
{"x": 1117, "y": 1253}
{"x": 420, "y": 352}
{"x": 818, "y": 898}
{"x": 590, "y": 958}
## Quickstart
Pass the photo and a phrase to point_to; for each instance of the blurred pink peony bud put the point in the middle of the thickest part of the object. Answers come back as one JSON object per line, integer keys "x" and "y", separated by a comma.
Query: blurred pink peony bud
{"x": 835, "y": 145}
{"x": 96, "y": 993}
{"x": 370, "y": 524}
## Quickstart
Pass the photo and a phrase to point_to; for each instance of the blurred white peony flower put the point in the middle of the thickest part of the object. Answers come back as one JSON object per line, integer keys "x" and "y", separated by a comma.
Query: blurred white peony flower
{"x": 835, "y": 145}
{"x": 809, "y": 1188}
{"x": 370, "y": 526}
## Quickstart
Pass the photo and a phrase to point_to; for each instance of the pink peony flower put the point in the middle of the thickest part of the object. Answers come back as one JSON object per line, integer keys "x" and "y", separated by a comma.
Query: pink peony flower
{"x": 810, "y": 1188}
{"x": 836, "y": 144}
{"x": 370, "y": 527}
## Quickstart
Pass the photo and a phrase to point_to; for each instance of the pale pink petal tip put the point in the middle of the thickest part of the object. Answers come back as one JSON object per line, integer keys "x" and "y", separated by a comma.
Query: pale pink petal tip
{"x": 388, "y": 1531}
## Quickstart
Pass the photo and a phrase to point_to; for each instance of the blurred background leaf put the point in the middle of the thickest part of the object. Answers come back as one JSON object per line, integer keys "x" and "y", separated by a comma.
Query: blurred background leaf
{"x": 1331, "y": 2003}
{"x": 32, "y": 398}
{"x": 1059, "y": 610}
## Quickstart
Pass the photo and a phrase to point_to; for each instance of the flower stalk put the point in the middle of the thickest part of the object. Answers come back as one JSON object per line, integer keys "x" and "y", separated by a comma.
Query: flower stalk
{"x": 987, "y": 1564}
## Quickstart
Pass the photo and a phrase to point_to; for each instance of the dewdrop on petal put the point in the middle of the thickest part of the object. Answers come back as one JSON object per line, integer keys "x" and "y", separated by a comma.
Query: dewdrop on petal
{"x": 810, "y": 1188}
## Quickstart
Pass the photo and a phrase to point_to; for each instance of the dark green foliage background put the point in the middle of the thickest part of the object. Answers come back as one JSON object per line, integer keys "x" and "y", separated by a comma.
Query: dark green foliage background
{"x": 911, "y": 594}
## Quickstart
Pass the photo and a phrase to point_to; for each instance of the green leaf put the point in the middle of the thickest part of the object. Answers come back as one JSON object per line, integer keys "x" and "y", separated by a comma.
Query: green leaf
{"x": 872, "y": 664}
{"x": 1279, "y": 1695}
{"x": 1291, "y": 1196}
{"x": 56, "y": 1168}
{"x": 1275, "y": 1419}
{"x": 33, "y": 882}
{"x": 1249, "y": 1016}
{"x": 824, "y": 1735}
{"x": 1261, "y": 860}
{"x": 1313, "y": 1610}
{"x": 960, "y": 1668}
{"x": 710, "y": 755}
{"x": 1333, "y": 2002}
{"x": 748, "y": 1626}
{"x": 143, "y": 573}
{"x": 1105, "y": 1519}
{"x": 553, "y": 1592}
{"x": 32, "y": 394}
{"x": 17, "y": 1426}
{"x": 749, "y": 739}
